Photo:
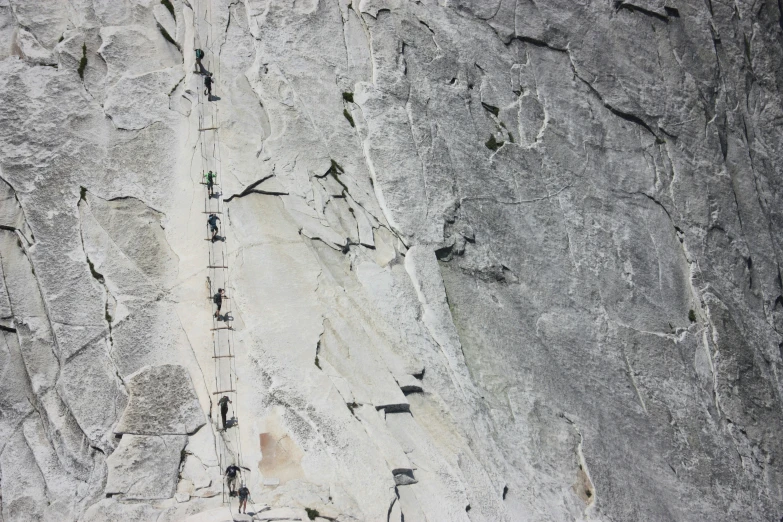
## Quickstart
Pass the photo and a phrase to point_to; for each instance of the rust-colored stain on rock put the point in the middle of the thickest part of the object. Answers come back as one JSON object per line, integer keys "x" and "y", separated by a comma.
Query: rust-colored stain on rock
{"x": 281, "y": 456}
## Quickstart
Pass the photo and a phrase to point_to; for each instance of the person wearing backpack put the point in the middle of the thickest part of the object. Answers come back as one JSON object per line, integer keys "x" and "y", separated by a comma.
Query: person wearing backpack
{"x": 232, "y": 474}
{"x": 244, "y": 493}
{"x": 218, "y": 300}
{"x": 199, "y": 57}
{"x": 223, "y": 403}
{"x": 213, "y": 227}
{"x": 211, "y": 183}
{"x": 208, "y": 84}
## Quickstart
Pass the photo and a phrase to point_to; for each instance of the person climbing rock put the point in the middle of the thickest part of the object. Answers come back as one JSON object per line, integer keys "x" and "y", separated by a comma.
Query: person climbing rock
{"x": 208, "y": 84}
{"x": 218, "y": 300}
{"x": 223, "y": 403}
{"x": 211, "y": 183}
{"x": 232, "y": 473}
{"x": 199, "y": 57}
{"x": 213, "y": 227}
{"x": 243, "y": 494}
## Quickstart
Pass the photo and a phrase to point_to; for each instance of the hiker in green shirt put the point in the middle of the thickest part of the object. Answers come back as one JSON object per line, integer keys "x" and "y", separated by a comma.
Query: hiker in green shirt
{"x": 211, "y": 183}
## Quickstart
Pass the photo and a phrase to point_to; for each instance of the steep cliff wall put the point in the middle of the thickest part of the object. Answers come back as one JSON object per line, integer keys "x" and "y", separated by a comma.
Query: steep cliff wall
{"x": 486, "y": 259}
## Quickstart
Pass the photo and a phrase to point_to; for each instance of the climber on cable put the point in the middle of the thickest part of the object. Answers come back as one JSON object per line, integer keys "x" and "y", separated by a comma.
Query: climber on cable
{"x": 213, "y": 227}
{"x": 208, "y": 84}
{"x": 223, "y": 403}
{"x": 232, "y": 473}
{"x": 211, "y": 183}
{"x": 218, "y": 300}
{"x": 243, "y": 494}
{"x": 199, "y": 57}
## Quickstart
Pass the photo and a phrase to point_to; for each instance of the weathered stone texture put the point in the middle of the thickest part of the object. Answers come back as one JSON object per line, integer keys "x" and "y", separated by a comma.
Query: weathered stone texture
{"x": 162, "y": 402}
{"x": 488, "y": 259}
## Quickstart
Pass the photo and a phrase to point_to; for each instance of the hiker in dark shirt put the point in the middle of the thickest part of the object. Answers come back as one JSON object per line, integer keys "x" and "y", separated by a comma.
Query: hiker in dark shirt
{"x": 211, "y": 183}
{"x": 232, "y": 473}
{"x": 213, "y": 227}
{"x": 243, "y": 494}
{"x": 223, "y": 403}
{"x": 208, "y": 84}
{"x": 218, "y": 300}
{"x": 199, "y": 57}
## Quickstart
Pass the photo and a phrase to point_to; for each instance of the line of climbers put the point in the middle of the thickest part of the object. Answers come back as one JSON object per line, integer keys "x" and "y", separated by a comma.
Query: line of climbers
{"x": 233, "y": 472}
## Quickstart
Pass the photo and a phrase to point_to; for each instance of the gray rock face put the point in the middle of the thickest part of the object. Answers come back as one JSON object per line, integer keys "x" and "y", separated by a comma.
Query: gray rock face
{"x": 487, "y": 260}
{"x": 162, "y": 402}
{"x": 145, "y": 467}
{"x": 110, "y": 510}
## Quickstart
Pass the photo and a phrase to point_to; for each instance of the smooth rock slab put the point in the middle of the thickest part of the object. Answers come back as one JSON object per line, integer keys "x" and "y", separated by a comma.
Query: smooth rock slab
{"x": 109, "y": 510}
{"x": 162, "y": 402}
{"x": 145, "y": 467}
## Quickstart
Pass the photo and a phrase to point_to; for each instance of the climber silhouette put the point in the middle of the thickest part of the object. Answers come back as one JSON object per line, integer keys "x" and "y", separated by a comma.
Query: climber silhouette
{"x": 213, "y": 226}
{"x": 224, "y": 402}
{"x": 243, "y": 494}
{"x": 208, "y": 84}
{"x": 199, "y": 57}
{"x": 211, "y": 183}
{"x": 232, "y": 473}
{"x": 218, "y": 300}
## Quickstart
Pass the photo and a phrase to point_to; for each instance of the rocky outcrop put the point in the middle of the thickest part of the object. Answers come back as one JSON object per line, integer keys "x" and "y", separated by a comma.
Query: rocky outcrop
{"x": 145, "y": 467}
{"x": 162, "y": 402}
{"x": 485, "y": 260}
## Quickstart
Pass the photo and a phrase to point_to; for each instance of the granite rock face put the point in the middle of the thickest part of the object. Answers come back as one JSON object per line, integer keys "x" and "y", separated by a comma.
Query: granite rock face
{"x": 487, "y": 260}
{"x": 144, "y": 467}
{"x": 162, "y": 402}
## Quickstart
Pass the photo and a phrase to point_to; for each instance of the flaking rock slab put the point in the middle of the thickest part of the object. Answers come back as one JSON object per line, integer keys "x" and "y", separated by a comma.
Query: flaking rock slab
{"x": 162, "y": 402}
{"x": 145, "y": 467}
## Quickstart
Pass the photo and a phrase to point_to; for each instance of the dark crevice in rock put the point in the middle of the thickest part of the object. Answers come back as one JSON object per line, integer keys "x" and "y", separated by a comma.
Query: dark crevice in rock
{"x": 538, "y": 43}
{"x": 493, "y": 274}
{"x": 491, "y": 108}
{"x": 404, "y": 477}
{"x": 395, "y": 408}
{"x": 391, "y": 506}
{"x": 169, "y": 39}
{"x": 16, "y": 231}
{"x": 349, "y": 117}
{"x": 651, "y": 198}
{"x": 102, "y": 280}
{"x": 636, "y": 9}
{"x": 444, "y": 253}
{"x": 411, "y": 388}
{"x": 624, "y": 115}
{"x": 348, "y": 244}
{"x": 617, "y": 112}
{"x": 170, "y": 7}
{"x": 82, "y": 62}
{"x": 493, "y": 144}
{"x": 334, "y": 246}
{"x": 251, "y": 189}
